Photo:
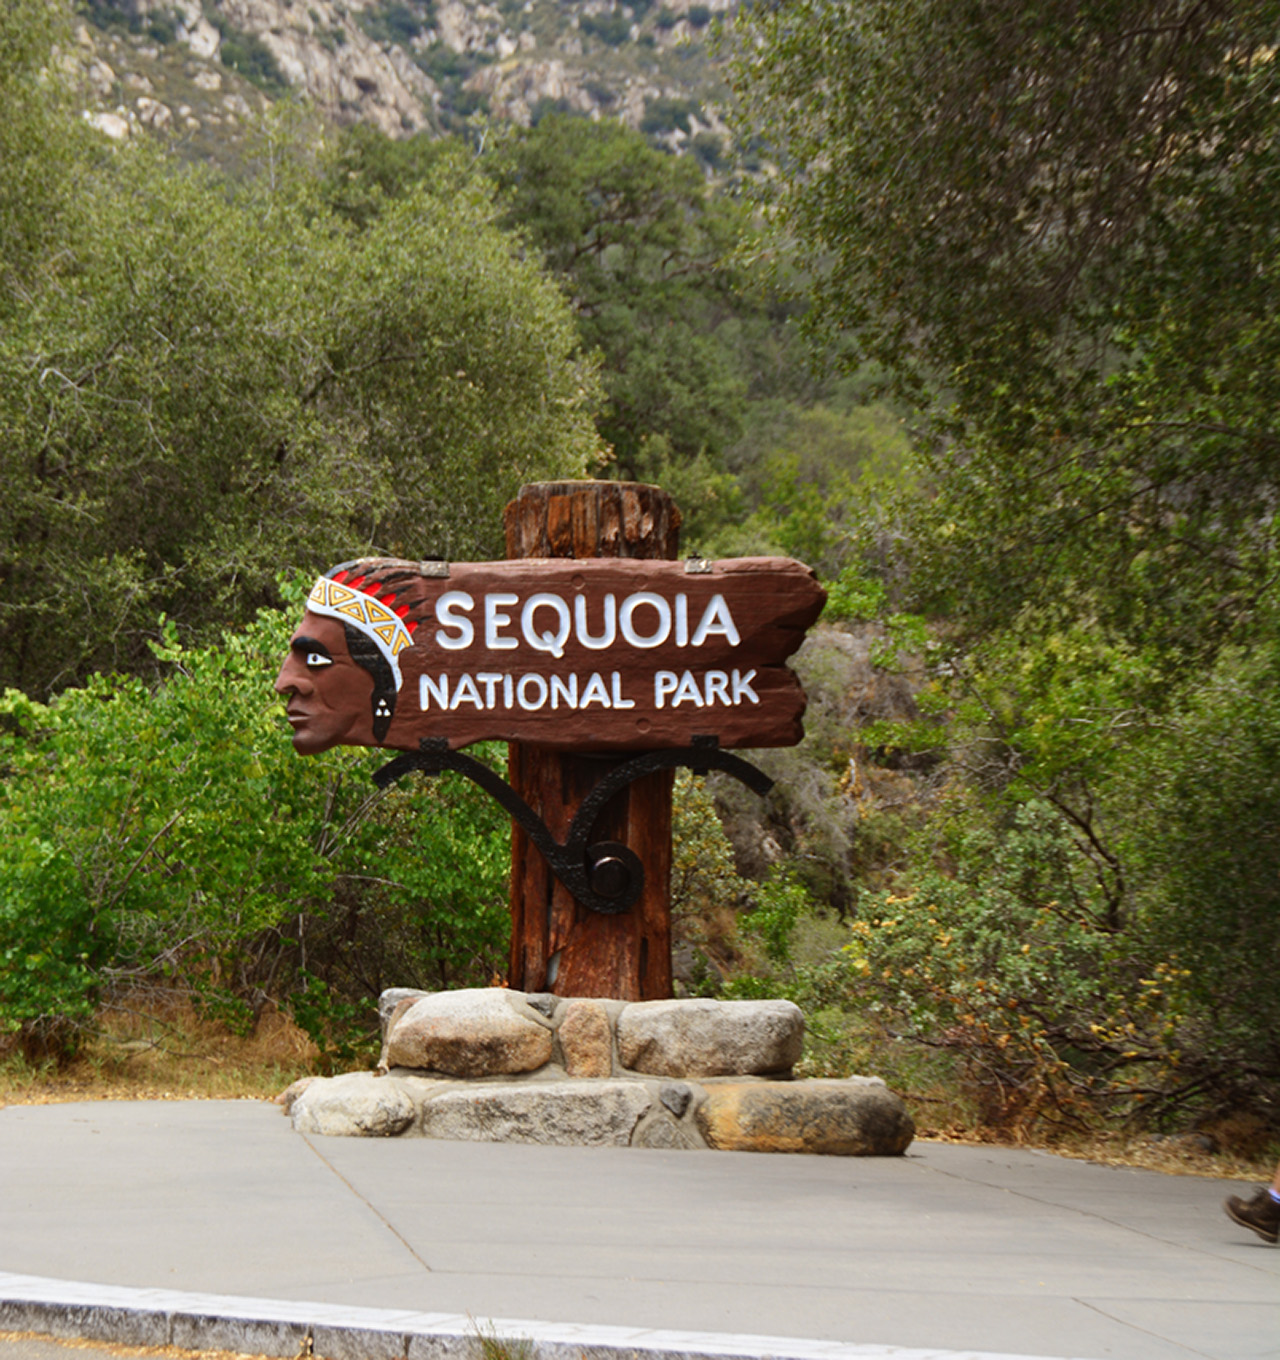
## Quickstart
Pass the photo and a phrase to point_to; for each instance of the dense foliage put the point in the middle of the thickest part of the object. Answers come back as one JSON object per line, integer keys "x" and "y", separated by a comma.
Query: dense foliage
{"x": 357, "y": 346}
{"x": 1031, "y": 833}
{"x": 642, "y": 247}
{"x": 1055, "y": 227}
{"x": 708, "y": 389}
{"x": 1059, "y": 226}
{"x": 203, "y": 383}
{"x": 221, "y": 865}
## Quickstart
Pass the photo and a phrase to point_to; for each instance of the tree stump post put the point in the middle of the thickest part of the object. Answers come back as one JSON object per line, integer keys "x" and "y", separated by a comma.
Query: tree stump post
{"x": 557, "y": 945}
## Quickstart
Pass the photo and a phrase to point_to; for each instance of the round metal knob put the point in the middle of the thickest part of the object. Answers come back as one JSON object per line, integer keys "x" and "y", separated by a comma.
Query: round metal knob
{"x": 609, "y": 876}
{"x": 614, "y": 875}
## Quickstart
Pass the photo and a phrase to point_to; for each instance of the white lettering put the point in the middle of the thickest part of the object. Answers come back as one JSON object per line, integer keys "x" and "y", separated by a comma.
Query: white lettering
{"x": 524, "y": 698}
{"x": 670, "y": 621}
{"x": 533, "y": 691}
{"x": 445, "y": 616}
{"x": 428, "y": 689}
{"x": 717, "y": 683}
{"x": 606, "y": 639}
{"x": 629, "y": 607}
{"x": 465, "y": 692}
{"x": 716, "y": 619}
{"x": 489, "y": 679}
{"x": 568, "y": 691}
{"x": 664, "y": 683}
{"x": 493, "y": 620}
{"x": 595, "y": 692}
{"x": 667, "y": 623}
{"x": 687, "y": 690}
{"x": 548, "y": 641}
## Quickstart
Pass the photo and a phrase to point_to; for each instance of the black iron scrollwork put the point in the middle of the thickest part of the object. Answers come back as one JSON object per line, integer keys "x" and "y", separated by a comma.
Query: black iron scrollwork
{"x": 607, "y": 876}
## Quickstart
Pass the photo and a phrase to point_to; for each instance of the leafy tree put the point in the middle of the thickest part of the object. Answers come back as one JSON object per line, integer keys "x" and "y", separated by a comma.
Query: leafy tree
{"x": 640, "y": 245}
{"x": 37, "y": 150}
{"x": 665, "y": 114}
{"x": 707, "y": 385}
{"x": 706, "y": 888}
{"x": 1056, "y": 228}
{"x": 1061, "y": 224}
{"x": 612, "y": 28}
{"x": 1201, "y": 846}
{"x": 365, "y": 168}
{"x": 207, "y": 383}
{"x": 392, "y": 22}
{"x": 248, "y": 55}
{"x": 709, "y": 149}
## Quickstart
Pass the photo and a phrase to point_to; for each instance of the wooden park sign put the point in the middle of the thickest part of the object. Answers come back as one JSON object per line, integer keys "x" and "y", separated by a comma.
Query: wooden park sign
{"x": 592, "y": 655}
{"x": 588, "y": 647}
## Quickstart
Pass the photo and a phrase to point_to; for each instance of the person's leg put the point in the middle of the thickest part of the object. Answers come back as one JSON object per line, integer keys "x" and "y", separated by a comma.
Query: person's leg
{"x": 1261, "y": 1214}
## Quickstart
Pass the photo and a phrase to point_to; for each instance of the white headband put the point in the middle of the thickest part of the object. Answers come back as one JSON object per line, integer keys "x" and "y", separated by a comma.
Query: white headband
{"x": 375, "y": 619}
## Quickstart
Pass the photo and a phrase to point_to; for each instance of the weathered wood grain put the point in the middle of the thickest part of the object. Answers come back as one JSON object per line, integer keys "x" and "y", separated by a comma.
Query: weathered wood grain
{"x": 558, "y": 945}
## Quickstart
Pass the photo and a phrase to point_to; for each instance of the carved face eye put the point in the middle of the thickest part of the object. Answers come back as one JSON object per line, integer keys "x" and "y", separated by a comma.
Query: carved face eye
{"x": 318, "y": 659}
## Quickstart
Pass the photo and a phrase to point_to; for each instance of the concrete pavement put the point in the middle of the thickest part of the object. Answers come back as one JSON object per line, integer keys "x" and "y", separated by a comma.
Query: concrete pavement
{"x": 131, "y": 1214}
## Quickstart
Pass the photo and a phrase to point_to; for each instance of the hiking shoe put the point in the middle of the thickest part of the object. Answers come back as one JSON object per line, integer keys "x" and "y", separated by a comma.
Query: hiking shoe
{"x": 1261, "y": 1214}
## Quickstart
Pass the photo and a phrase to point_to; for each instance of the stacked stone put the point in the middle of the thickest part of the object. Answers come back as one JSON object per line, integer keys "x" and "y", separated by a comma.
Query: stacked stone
{"x": 494, "y": 1065}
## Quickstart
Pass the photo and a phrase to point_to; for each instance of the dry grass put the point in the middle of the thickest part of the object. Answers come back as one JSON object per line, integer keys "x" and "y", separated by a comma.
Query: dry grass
{"x": 166, "y": 1050}
{"x": 491, "y": 1346}
{"x": 946, "y": 1109}
{"x": 1234, "y": 1149}
{"x": 1169, "y": 1156}
{"x": 72, "y": 1344}
{"x": 1237, "y": 1147}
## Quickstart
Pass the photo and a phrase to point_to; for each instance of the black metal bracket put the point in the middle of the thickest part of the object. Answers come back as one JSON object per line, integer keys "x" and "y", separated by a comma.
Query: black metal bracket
{"x": 606, "y": 877}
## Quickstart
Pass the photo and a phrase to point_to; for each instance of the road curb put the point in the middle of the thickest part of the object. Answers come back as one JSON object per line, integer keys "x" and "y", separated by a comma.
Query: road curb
{"x": 287, "y": 1328}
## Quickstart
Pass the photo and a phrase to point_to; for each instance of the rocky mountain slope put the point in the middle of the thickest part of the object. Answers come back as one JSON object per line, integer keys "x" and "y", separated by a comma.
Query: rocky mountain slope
{"x": 198, "y": 69}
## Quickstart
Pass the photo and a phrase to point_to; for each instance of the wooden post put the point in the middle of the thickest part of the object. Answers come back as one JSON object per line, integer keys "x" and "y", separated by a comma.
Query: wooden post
{"x": 558, "y": 945}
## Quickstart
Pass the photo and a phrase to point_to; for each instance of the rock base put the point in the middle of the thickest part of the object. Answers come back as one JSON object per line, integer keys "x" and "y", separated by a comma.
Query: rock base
{"x": 493, "y": 1065}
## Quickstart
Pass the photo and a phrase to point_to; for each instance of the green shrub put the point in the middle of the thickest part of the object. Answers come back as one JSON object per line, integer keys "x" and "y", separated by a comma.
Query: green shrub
{"x": 169, "y": 833}
{"x": 612, "y": 29}
{"x": 392, "y": 22}
{"x": 249, "y": 56}
{"x": 103, "y": 14}
{"x": 665, "y": 114}
{"x": 162, "y": 27}
{"x": 1201, "y": 840}
{"x": 443, "y": 64}
{"x": 709, "y": 150}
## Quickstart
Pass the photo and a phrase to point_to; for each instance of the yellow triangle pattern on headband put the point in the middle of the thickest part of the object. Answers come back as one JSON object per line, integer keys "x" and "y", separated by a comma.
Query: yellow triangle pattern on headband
{"x": 371, "y": 616}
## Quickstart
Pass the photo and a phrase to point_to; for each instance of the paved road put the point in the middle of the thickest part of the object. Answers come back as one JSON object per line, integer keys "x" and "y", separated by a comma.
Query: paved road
{"x": 949, "y": 1249}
